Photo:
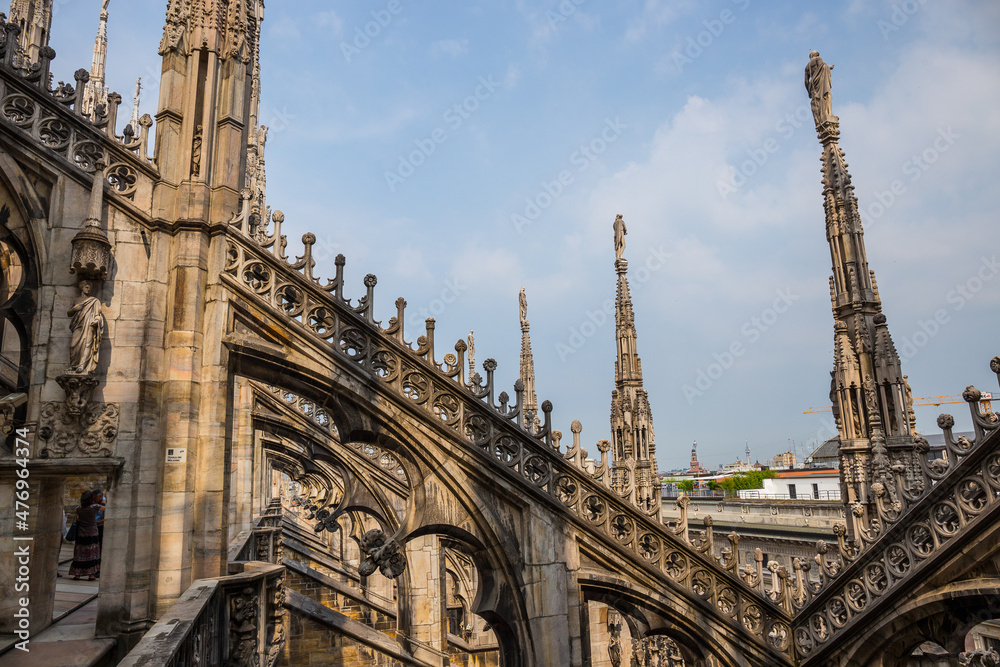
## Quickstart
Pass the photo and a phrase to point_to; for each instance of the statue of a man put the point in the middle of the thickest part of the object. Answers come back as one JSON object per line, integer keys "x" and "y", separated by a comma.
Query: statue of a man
{"x": 620, "y": 233}
{"x": 615, "y": 650}
{"x": 87, "y": 327}
{"x": 523, "y": 302}
{"x": 818, "y": 86}
{"x": 196, "y": 153}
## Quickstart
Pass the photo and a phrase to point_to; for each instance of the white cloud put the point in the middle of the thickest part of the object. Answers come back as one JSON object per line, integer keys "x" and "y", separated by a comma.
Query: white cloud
{"x": 330, "y": 19}
{"x": 410, "y": 265}
{"x": 452, "y": 48}
{"x": 285, "y": 29}
{"x": 512, "y": 76}
{"x": 655, "y": 15}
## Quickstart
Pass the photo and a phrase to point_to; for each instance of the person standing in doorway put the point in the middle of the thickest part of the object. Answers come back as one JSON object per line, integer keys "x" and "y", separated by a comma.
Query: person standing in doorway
{"x": 87, "y": 550}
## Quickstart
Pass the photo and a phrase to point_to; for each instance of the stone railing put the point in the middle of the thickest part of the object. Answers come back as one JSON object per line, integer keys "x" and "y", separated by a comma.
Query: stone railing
{"x": 54, "y": 119}
{"x": 257, "y": 269}
{"x": 262, "y": 542}
{"x": 237, "y": 620}
{"x": 960, "y": 493}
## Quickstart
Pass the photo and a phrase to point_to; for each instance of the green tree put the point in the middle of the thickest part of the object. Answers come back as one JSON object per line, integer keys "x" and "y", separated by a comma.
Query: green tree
{"x": 750, "y": 480}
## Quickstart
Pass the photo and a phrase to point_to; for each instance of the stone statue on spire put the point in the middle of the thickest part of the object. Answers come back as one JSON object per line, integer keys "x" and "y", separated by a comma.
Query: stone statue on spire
{"x": 620, "y": 233}
{"x": 531, "y": 420}
{"x": 818, "y": 85}
{"x": 472, "y": 356}
{"x": 134, "y": 121}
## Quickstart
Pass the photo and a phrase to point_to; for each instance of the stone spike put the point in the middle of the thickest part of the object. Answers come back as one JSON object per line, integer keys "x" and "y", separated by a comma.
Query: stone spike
{"x": 306, "y": 261}
{"x": 96, "y": 93}
{"x": 134, "y": 121}
{"x": 472, "y": 356}
{"x": 527, "y": 374}
{"x": 400, "y": 317}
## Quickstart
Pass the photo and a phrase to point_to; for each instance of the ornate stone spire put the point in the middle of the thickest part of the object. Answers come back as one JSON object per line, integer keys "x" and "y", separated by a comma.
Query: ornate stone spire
{"x": 34, "y": 18}
{"x": 868, "y": 392}
{"x": 633, "y": 447}
{"x": 528, "y": 367}
{"x": 134, "y": 121}
{"x": 96, "y": 93}
{"x": 472, "y": 356}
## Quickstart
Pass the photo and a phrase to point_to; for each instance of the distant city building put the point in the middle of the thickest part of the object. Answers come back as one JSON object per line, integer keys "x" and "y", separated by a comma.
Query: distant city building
{"x": 785, "y": 460}
{"x": 798, "y": 485}
{"x": 739, "y": 466}
{"x": 826, "y": 455}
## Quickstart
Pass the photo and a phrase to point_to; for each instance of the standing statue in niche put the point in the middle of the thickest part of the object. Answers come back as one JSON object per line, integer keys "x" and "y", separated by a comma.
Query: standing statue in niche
{"x": 615, "y": 650}
{"x": 196, "y": 153}
{"x": 818, "y": 85}
{"x": 87, "y": 328}
{"x": 620, "y": 233}
{"x": 614, "y": 640}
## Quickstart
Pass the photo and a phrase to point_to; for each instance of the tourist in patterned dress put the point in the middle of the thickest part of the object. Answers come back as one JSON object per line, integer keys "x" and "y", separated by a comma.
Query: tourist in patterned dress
{"x": 87, "y": 552}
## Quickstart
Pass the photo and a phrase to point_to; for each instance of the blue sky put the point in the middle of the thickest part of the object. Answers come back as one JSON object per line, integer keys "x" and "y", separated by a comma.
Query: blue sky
{"x": 690, "y": 119}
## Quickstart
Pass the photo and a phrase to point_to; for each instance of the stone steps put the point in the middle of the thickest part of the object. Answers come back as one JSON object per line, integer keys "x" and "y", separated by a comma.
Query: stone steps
{"x": 319, "y": 635}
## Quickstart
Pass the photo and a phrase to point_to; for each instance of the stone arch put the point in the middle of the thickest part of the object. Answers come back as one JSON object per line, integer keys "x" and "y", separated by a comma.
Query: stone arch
{"x": 363, "y": 416}
{"x": 313, "y": 452}
{"x": 944, "y": 616}
{"x": 500, "y": 606}
{"x": 19, "y": 278}
{"x": 650, "y": 613}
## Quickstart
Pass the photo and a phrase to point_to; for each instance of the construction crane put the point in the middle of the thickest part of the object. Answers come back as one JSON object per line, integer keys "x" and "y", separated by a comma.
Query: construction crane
{"x": 923, "y": 400}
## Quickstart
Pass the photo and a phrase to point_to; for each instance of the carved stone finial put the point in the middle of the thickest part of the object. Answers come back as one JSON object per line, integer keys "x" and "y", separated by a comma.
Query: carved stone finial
{"x": 91, "y": 252}
{"x": 971, "y": 394}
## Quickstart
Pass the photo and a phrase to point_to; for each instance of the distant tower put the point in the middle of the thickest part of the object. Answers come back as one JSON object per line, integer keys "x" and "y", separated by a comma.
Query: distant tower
{"x": 633, "y": 448}
{"x": 871, "y": 402}
{"x": 34, "y": 18}
{"x": 747, "y": 451}
{"x": 695, "y": 468}
{"x": 527, "y": 367}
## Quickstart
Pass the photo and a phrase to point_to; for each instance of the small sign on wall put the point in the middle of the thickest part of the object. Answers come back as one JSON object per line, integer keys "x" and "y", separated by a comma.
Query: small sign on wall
{"x": 176, "y": 455}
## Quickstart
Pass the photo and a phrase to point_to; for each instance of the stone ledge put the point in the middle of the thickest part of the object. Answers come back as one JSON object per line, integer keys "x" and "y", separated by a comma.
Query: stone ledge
{"x": 37, "y": 467}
